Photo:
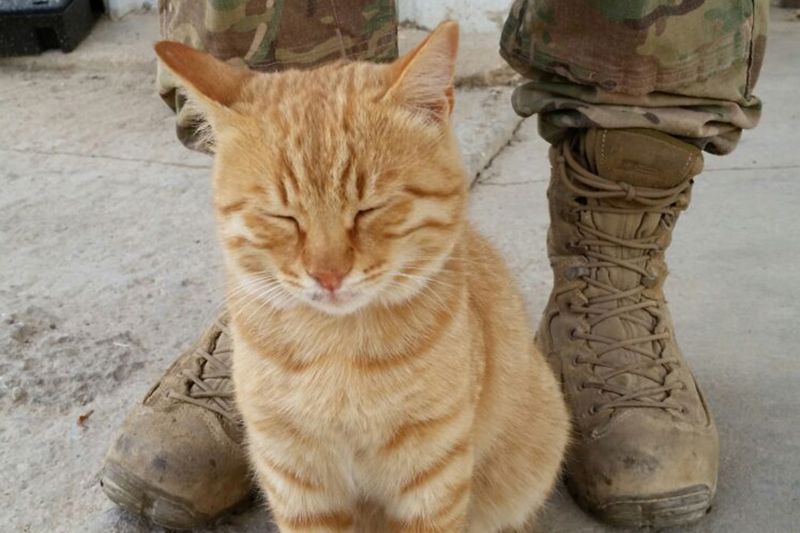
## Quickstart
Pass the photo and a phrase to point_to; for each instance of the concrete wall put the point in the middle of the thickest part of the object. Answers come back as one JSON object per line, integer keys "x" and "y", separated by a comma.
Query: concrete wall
{"x": 117, "y": 9}
{"x": 474, "y": 15}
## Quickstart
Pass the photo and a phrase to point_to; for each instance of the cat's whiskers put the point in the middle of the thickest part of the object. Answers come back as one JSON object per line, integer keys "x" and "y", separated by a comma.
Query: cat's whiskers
{"x": 248, "y": 284}
{"x": 261, "y": 314}
{"x": 294, "y": 283}
{"x": 437, "y": 298}
{"x": 267, "y": 296}
{"x": 426, "y": 289}
{"x": 448, "y": 259}
{"x": 374, "y": 279}
{"x": 241, "y": 288}
{"x": 249, "y": 288}
{"x": 396, "y": 284}
{"x": 425, "y": 280}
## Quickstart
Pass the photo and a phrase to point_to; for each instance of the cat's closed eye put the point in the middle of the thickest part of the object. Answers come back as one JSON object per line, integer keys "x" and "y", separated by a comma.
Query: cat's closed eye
{"x": 363, "y": 213}
{"x": 281, "y": 217}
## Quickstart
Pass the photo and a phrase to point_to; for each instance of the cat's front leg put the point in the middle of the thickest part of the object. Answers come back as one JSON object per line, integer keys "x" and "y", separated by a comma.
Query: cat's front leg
{"x": 434, "y": 494}
{"x": 304, "y": 486}
{"x": 298, "y": 506}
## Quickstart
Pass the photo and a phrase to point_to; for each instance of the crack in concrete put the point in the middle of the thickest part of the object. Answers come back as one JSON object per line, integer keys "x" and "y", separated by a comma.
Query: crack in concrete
{"x": 773, "y": 167}
{"x": 508, "y": 183}
{"x": 476, "y": 180}
{"x": 109, "y": 157}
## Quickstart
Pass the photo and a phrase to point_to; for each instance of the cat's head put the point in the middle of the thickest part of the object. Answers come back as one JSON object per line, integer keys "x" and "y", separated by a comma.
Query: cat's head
{"x": 337, "y": 187}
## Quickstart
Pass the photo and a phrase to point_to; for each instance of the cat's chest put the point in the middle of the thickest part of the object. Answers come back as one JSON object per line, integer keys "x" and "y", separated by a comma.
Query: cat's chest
{"x": 338, "y": 393}
{"x": 356, "y": 395}
{"x": 329, "y": 393}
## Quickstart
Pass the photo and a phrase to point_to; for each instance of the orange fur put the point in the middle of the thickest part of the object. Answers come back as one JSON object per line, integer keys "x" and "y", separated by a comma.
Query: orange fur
{"x": 407, "y": 395}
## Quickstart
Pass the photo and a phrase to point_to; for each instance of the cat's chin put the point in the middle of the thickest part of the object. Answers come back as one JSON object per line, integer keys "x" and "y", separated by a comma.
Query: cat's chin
{"x": 338, "y": 304}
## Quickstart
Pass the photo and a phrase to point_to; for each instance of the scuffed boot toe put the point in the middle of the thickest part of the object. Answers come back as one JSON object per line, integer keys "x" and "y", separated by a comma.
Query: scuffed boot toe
{"x": 178, "y": 459}
{"x": 650, "y": 472}
{"x": 179, "y": 477}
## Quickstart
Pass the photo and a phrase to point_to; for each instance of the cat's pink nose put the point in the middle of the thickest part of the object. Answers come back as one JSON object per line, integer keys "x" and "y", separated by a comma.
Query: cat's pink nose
{"x": 328, "y": 279}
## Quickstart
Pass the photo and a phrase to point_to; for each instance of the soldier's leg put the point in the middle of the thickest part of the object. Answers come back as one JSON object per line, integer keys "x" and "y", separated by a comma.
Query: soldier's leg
{"x": 630, "y": 94}
{"x": 274, "y": 35}
{"x": 178, "y": 458}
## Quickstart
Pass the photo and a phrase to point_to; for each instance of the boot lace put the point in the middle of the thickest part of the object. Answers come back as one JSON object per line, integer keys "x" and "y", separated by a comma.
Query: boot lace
{"x": 210, "y": 386}
{"x": 666, "y": 203}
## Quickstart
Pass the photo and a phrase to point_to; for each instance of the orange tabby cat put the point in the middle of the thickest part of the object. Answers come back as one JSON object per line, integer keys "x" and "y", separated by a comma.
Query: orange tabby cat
{"x": 383, "y": 363}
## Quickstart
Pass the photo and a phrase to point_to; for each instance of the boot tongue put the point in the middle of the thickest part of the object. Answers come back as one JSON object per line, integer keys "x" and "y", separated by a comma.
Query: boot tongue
{"x": 641, "y": 157}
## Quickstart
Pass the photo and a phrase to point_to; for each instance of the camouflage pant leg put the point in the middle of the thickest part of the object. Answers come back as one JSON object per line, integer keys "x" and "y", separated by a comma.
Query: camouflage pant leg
{"x": 685, "y": 67}
{"x": 273, "y": 35}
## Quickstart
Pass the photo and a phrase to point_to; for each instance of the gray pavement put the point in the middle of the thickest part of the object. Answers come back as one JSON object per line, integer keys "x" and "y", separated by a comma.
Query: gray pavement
{"x": 109, "y": 268}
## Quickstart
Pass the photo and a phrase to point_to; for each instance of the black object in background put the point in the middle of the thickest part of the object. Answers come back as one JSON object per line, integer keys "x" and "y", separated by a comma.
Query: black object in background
{"x": 33, "y": 26}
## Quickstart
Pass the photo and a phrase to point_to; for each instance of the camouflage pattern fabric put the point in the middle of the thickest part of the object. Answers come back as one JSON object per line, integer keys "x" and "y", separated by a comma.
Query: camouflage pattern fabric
{"x": 273, "y": 35}
{"x": 685, "y": 67}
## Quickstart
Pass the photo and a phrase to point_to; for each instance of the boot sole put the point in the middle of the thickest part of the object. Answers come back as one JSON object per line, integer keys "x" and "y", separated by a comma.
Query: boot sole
{"x": 140, "y": 498}
{"x": 665, "y": 510}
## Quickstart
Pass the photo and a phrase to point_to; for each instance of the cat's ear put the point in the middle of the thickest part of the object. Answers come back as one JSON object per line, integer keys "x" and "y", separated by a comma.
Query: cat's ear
{"x": 213, "y": 82}
{"x": 423, "y": 78}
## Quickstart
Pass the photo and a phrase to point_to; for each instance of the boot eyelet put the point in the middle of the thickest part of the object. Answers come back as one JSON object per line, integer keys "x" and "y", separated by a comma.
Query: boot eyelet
{"x": 576, "y": 246}
{"x": 576, "y": 272}
{"x": 577, "y": 300}
{"x": 593, "y": 410}
{"x": 573, "y": 307}
{"x": 577, "y": 361}
{"x": 572, "y": 215}
{"x": 573, "y": 334}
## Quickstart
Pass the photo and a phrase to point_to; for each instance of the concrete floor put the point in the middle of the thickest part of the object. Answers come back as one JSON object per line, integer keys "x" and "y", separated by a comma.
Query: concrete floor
{"x": 109, "y": 268}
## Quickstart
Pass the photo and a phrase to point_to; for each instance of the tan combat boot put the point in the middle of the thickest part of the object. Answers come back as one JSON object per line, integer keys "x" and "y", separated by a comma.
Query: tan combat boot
{"x": 646, "y": 450}
{"x": 178, "y": 458}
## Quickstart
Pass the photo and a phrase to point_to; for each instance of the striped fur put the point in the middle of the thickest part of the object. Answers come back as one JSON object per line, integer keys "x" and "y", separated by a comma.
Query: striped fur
{"x": 413, "y": 400}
